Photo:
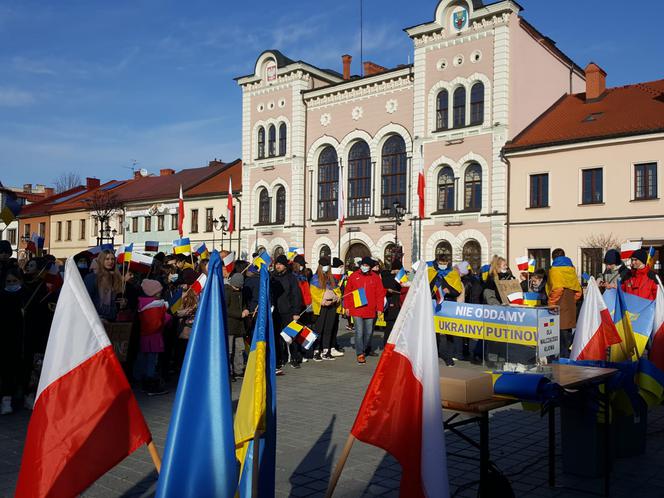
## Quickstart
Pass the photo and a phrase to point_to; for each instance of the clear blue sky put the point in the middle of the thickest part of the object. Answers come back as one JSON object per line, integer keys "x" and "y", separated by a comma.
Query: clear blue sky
{"x": 91, "y": 86}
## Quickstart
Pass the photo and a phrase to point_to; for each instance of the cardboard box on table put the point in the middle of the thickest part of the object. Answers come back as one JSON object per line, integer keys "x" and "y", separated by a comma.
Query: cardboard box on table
{"x": 464, "y": 385}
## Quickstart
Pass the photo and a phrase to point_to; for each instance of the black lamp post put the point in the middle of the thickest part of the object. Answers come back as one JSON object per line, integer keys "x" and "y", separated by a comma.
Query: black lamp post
{"x": 219, "y": 225}
{"x": 106, "y": 234}
{"x": 397, "y": 212}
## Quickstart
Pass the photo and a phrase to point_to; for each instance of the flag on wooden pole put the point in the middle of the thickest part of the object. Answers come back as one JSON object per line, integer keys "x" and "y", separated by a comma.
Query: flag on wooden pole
{"x": 180, "y": 212}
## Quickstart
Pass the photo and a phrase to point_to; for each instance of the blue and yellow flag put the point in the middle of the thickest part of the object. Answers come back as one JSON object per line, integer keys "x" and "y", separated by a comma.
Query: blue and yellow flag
{"x": 199, "y": 457}
{"x": 562, "y": 275}
{"x": 533, "y": 299}
{"x": 627, "y": 349}
{"x": 10, "y": 208}
{"x": 256, "y": 414}
{"x": 175, "y": 303}
{"x": 263, "y": 259}
{"x": 484, "y": 272}
{"x": 181, "y": 246}
{"x": 453, "y": 279}
{"x": 650, "y": 381}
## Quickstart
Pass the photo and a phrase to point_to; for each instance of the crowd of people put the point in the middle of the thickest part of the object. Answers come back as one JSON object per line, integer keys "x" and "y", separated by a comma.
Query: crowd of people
{"x": 159, "y": 307}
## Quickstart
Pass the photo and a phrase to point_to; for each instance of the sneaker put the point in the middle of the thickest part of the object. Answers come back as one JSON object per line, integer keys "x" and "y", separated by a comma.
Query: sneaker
{"x": 328, "y": 356}
{"x": 336, "y": 352}
{"x": 29, "y": 401}
{"x": 279, "y": 372}
{"x": 361, "y": 359}
{"x": 6, "y": 406}
{"x": 317, "y": 356}
{"x": 305, "y": 359}
{"x": 295, "y": 364}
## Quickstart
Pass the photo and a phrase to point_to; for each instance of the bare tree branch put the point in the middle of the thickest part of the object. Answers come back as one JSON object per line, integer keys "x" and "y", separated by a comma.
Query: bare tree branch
{"x": 602, "y": 241}
{"x": 67, "y": 181}
{"x": 103, "y": 205}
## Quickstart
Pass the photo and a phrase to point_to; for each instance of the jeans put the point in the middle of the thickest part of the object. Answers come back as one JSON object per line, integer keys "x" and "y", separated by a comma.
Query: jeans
{"x": 363, "y": 331}
{"x": 145, "y": 366}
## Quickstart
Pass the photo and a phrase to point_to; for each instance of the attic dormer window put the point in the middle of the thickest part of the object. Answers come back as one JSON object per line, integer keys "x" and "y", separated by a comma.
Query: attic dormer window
{"x": 271, "y": 71}
{"x": 592, "y": 117}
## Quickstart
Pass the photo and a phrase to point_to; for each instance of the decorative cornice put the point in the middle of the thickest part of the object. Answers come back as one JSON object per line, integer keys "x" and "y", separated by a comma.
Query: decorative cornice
{"x": 482, "y": 27}
{"x": 349, "y": 95}
{"x": 283, "y": 82}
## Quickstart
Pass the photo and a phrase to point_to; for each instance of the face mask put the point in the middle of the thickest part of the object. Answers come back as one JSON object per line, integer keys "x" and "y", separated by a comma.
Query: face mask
{"x": 13, "y": 288}
{"x": 442, "y": 266}
{"x": 365, "y": 269}
{"x": 503, "y": 270}
{"x": 326, "y": 269}
{"x": 82, "y": 266}
{"x": 173, "y": 277}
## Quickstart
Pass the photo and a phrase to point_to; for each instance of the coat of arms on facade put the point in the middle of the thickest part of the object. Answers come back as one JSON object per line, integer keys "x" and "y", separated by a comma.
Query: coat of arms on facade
{"x": 460, "y": 19}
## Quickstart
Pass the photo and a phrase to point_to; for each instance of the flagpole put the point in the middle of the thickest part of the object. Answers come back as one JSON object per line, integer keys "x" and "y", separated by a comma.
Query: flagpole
{"x": 154, "y": 454}
{"x": 255, "y": 463}
{"x": 340, "y": 466}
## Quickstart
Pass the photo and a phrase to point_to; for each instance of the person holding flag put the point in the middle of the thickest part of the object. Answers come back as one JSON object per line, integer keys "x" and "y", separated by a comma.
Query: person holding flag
{"x": 641, "y": 280}
{"x": 325, "y": 296}
{"x": 564, "y": 290}
{"x": 363, "y": 298}
{"x": 287, "y": 302}
{"x": 614, "y": 271}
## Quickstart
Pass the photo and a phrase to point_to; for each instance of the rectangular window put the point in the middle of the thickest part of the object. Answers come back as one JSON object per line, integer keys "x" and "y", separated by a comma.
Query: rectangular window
{"x": 174, "y": 221}
{"x": 11, "y": 236}
{"x": 68, "y": 229}
{"x": 147, "y": 227}
{"x": 42, "y": 229}
{"x": 120, "y": 224}
{"x": 82, "y": 229}
{"x": 208, "y": 219}
{"x": 194, "y": 221}
{"x": 95, "y": 226}
{"x": 134, "y": 224}
{"x": 58, "y": 230}
{"x": 542, "y": 258}
{"x": 539, "y": 190}
{"x": 26, "y": 230}
{"x": 591, "y": 261}
{"x": 592, "y": 186}
{"x": 645, "y": 181}
{"x": 160, "y": 223}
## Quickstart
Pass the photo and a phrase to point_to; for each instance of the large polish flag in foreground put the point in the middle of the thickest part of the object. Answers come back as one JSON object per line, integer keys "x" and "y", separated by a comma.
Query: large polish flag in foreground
{"x": 656, "y": 354}
{"x": 401, "y": 411}
{"x": 85, "y": 418}
{"x": 595, "y": 330}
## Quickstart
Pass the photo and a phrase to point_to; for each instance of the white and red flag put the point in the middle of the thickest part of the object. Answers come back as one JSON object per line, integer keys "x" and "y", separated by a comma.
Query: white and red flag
{"x": 199, "y": 284}
{"x": 522, "y": 263}
{"x": 85, "y": 418}
{"x": 141, "y": 263}
{"x": 628, "y": 248}
{"x": 341, "y": 199}
{"x": 595, "y": 330}
{"x": 401, "y": 411}
{"x": 515, "y": 297}
{"x": 180, "y": 212}
{"x": 229, "y": 262}
{"x": 656, "y": 354}
{"x": 420, "y": 190}
{"x": 229, "y": 207}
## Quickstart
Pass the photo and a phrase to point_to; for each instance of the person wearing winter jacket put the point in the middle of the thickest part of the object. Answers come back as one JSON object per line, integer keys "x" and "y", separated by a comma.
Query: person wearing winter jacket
{"x": 325, "y": 297}
{"x": 641, "y": 280}
{"x": 235, "y": 313}
{"x": 614, "y": 271}
{"x": 287, "y": 302}
{"x": 364, "y": 315}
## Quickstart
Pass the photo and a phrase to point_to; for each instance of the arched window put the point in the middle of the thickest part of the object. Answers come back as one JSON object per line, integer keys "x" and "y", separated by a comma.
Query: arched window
{"x": 328, "y": 184}
{"x": 472, "y": 252}
{"x": 278, "y": 251}
{"x": 459, "y": 108}
{"x": 477, "y": 104}
{"x": 281, "y": 205}
{"x": 395, "y": 167}
{"x": 263, "y": 207}
{"x": 282, "y": 139}
{"x": 445, "y": 248}
{"x": 261, "y": 142}
{"x": 442, "y": 108}
{"x": 473, "y": 188}
{"x": 446, "y": 189}
{"x": 325, "y": 252}
{"x": 359, "y": 180}
{"x": 356, "y": 250}
{"x": 272, "y": 141}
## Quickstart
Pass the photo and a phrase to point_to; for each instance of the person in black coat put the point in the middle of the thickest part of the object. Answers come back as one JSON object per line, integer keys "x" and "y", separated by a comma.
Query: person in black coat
{"x": 13, "y": 297}
{"x": 287, "y": 302}
{"x": 393, "y": 298}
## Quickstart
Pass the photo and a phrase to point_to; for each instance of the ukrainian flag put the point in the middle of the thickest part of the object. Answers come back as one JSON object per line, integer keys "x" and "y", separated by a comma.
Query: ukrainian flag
{"x": 641, "y": 313}
{"x": 562, "y": 275}
{"x": 454, "y": 280}
{"x": 432, "y": 271}
{"x": 175, "y": 302}
{"x": 651, "y": 257}
{"x": 359, "y": 297}
{"x": 650, "y": 381}
{"x": 263, "y": 259}
{"x": 484, "y": 271}
{"x": 181, "y": 246}
{"x": 402, "y": 276}
{"x": 533, "y": 299}
{"x": 10, "y": 209}
{"x": 256, "y": 416}
{"x": 627, "y": 349}
{"x": 128, "y": 250}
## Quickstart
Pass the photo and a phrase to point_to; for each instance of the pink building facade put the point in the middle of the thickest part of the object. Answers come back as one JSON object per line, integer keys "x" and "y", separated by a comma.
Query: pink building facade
{"x": 480, "y": 75}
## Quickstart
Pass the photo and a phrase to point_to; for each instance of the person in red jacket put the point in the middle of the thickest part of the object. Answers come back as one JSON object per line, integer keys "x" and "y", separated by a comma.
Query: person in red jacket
{"x": 364, "y": 316}
{"x": 641, "y": 281}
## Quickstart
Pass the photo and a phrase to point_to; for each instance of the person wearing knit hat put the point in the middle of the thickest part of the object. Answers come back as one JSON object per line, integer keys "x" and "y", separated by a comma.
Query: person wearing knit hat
{"x": 281, "y": 260}
{"x": 337, "y": 263}
{"x": 287, "y": 302}
{"x": 151, "y": 287}
{"x": 614, "y": 271}
{"x": 642, "y": 281}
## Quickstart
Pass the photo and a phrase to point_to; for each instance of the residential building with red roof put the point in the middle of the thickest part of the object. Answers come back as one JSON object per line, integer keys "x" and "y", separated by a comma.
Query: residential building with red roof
{"x": 586, "y": 174}
{"x": 26, "y": 196}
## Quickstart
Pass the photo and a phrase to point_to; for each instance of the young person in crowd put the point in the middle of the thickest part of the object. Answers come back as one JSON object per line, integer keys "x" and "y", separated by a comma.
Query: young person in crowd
{"x": 235, "y": 313}
{"x": 13, "y": 297}
{"x": 287, "y": 303}
{"x": 392, "y": 298}
{"x": 325, "y": 297}
{"x": 641, "y": 280}
{"x": 614, "y": 271}
{"x": 564, "y": 290}
{"x": 105, "y": 286}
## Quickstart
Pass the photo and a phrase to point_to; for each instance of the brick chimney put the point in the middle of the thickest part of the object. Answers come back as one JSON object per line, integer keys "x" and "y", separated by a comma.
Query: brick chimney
{"x": 27, "y": 188}
{"x": 137, "y": 175}
{"x": 346, "y": 60}
{"x": 371, "y": 68}
{"x": 595, "y": 81}
{"x": 49, "y": 191}
{"x": 92, "y": 182}
{"x": 166, "y": 172}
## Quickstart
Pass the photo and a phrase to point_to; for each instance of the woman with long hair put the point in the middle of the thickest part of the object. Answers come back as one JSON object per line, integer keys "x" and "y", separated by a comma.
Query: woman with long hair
{"x": 325, "y": 297}
{"x": 105, "y": 286}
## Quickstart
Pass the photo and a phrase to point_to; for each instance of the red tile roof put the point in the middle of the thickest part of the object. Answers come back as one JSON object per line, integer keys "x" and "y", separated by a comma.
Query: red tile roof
{"x": 44, "y": 206}
{"x": 218, "y": 184}
{"x": 622, "y": 111}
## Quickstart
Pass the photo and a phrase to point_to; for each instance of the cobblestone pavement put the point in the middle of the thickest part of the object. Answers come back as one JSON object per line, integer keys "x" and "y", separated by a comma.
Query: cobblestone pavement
{"x": 316, "y": 408}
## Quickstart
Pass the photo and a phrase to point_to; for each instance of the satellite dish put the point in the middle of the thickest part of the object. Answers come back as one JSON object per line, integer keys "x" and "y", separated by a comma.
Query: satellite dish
{"x": 143, "y": 172}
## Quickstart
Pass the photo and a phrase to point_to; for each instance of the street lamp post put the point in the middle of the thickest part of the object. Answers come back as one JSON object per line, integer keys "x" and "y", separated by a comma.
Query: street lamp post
{"x": 219, "y": 225}
{"x": 396, "y": 212}
{"x": 106, "y": 233}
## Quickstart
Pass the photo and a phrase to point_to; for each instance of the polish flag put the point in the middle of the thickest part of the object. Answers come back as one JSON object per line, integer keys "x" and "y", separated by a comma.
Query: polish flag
{"x": 198, "y": 285}
{"x": 141, "y": 263}
{"x": 515, "y": 298}
{"x": 229, "y": 207}
{"x": 85, "y": 418}
{"x": 341, "y": 199}
{"x": 595, "y": 330}
{"x": 656, "y": 354}
{"x": 401, "y": 411}
{"x": 229, "y": 262}
{"x": 420, "y": 190}
{"x": 180, "y": 212}
{"x": 628, "y": 248}
{"x": 522, "y": 263}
